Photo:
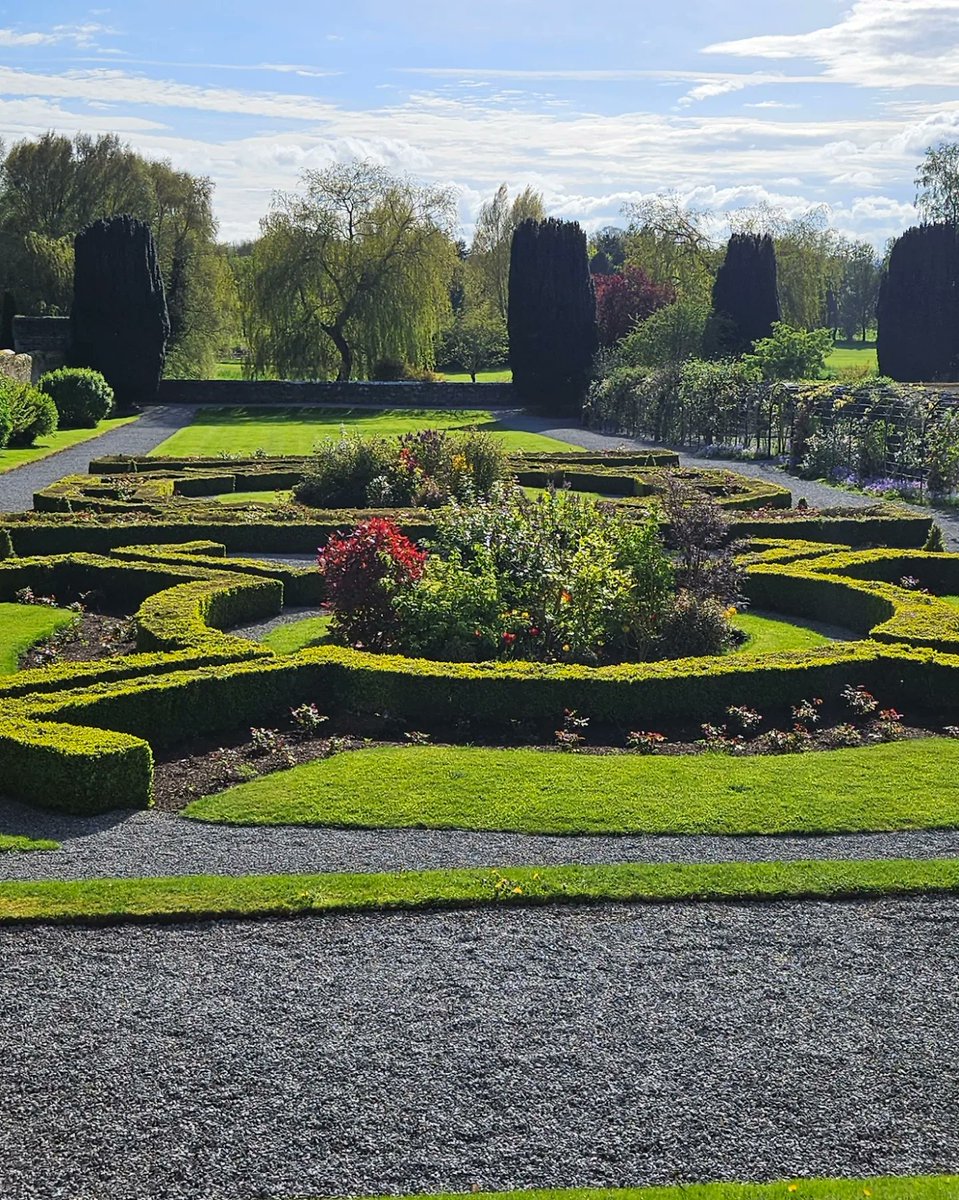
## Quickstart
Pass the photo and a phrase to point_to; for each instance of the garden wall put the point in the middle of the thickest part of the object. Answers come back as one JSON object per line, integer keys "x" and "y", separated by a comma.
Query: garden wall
{"x": 246, "y": 392}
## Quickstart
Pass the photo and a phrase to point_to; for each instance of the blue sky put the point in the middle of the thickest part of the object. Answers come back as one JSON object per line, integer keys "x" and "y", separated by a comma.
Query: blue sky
{"x": 596, "y": 104}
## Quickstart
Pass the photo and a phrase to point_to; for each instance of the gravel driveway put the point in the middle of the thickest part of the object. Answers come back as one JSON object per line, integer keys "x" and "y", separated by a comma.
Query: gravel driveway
{"x": 502, "y": 1049}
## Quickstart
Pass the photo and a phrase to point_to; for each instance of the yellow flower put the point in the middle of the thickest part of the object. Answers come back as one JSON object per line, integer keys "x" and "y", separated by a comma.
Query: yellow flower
{"x": 793, "y": 1187}
{"x": 459, "y": 462}
{"x": 566, "y": 648}
{"x": 867, "y": 1191}
{"x": 564, "y": 597}
{"x": 517, "y": 891}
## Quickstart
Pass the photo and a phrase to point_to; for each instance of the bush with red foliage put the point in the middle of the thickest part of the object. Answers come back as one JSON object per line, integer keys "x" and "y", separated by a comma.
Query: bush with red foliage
{"x": 362, "y": 571}
{"x": 626, "y": 298}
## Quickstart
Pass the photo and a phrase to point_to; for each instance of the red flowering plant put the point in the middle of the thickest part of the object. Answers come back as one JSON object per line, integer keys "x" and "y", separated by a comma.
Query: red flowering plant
{"x": 363, "y": 571}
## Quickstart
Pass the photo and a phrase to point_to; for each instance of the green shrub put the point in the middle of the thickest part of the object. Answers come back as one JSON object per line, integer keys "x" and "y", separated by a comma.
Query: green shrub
{"x": 33, "y": 413}
{"x": 6, "y": 416}
{"x": 790, "y": 353}
{"x": 82, "y": 396}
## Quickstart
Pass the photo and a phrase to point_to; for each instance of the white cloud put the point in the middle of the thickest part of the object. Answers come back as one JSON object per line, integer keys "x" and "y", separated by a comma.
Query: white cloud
{"x": 78, "y": 35}
{"x": 875, "y": 43}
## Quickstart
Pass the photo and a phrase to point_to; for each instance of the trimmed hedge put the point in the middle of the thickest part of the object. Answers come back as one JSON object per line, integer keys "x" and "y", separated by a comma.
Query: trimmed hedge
{"x": 73, "y": 769}
{"x": 182, "y": 617}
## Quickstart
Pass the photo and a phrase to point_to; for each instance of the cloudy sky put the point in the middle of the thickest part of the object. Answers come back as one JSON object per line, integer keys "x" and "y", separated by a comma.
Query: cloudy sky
{"x": 597, "y": 104}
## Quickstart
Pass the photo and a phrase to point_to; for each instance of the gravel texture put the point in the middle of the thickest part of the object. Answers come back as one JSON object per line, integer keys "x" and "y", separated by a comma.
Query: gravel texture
{"x": 259, "y": 629}
{"x": 500, "y": 1048}
{"x": 150, "y": 843}
{"x": 18, "y": 485}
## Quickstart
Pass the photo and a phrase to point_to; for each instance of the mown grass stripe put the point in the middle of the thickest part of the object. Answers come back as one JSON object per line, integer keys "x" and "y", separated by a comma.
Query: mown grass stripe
{"x": 912, "y": 1187}
{"x": 194, "y": 897}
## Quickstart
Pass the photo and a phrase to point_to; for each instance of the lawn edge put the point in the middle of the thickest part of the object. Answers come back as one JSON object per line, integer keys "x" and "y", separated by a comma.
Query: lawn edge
{"x": 222, "y": 897}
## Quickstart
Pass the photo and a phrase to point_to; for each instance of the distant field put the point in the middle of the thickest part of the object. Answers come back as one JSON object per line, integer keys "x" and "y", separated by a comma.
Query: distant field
{"x": 853, "y": 356}
{"x": 238, "y": 430}
{"x": 234, "y": 370}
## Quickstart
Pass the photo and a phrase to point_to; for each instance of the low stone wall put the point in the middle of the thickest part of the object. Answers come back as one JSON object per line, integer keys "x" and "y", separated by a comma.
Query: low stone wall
{"x": 45, "y": 339}
{"x": 16, "y": 366}
{"x": 245, "y": 393}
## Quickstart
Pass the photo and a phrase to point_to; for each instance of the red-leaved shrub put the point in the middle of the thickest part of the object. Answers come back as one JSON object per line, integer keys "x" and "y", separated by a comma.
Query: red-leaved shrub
{"x": 362, "y": 572}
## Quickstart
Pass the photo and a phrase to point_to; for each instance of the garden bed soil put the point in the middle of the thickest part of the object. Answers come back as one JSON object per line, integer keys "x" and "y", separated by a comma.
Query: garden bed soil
{"x": 92, "y": 636}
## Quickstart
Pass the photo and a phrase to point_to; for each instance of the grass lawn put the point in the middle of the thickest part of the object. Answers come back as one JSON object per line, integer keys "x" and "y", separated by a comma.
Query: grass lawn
{"x": 952, "y": 601}
{"x": 196, "y": 897}
{"x": 268, "y": 497}
{"x": 929, "y": 1187}
{"x": 22, "y": 626}
{"x": 846, "y": 356}
{"x": 899, "y": 785}
{"x": 12, "y": 843}
{"x": 217, "y": 431}
{"x": 287, "y": 639}
{"x": 504, "y": 375}
{"x": 770, "y": 635}
{"x": 61, "y": 440}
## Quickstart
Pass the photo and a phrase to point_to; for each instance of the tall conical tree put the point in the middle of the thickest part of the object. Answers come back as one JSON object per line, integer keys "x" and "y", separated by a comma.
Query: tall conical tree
{"x": 918, "y": 308}
{"x": 552, "y": 314}
{"x": 745, "y": 296}
{"x": 119, "y": 319}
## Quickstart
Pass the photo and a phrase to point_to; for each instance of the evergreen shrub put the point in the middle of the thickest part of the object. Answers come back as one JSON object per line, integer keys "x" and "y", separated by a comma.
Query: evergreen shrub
{"x": 82, "y": 396}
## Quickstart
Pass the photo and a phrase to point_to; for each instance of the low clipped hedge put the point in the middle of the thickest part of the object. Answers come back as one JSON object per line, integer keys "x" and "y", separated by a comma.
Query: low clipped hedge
{"x": 73, "y": 769}
{"x": 182, "y": 617}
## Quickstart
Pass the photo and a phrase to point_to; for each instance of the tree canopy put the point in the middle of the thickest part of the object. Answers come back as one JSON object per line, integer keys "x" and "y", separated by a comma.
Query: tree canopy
{"x": 489, "y": 255}
{"x": 353, "y": 269}
{"x": 937, "y": 184}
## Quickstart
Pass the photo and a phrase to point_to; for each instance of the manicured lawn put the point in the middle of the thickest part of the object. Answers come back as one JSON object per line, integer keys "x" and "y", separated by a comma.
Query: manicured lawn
{"x": 770, "y": 635}
{"x": 930, "y": 1187}
{"x": 902, "y": 785}
{"x": 194, "y": 897}
{"x": 504, "y": 375}
{"x": 22, "y": 626}
{"x": 297, "y": 430}
{"x": 287, "y": 639}
{"x": 61, "y": 440}
{"x": 856, "y": 355}
{"x": 274, "y": 497}
{"x": 10, "y": 843}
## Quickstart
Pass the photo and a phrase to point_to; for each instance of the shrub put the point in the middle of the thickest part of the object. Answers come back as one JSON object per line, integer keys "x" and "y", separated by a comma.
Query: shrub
{"x": 423, "y": 469}
{"x": 362, "y": 572}
{"x": 81, "y": 395}
{"x": 670, "y": 335}
{"x": 790, "y": 353}
{"x": 33, "y": 413}
{"x": 695, "y": 626}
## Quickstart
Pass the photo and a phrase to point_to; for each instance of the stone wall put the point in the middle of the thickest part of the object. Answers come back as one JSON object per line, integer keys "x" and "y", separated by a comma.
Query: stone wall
{"x": 45, "y": 339}
{"x": 16, "y": 366}
{"x": 242, "y": 392}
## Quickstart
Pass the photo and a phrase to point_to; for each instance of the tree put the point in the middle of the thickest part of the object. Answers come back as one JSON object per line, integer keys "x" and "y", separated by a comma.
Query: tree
{"x": 918, "y": 311}
{"x": 790, "y": 353}
{"x": 937, "y": 184}
{"x": 489, "y": 255}
{"x": 671, "y": 335}
{"x": 668, "y": 240}
{"x": 476, "y": 339}
{"x": 859, "y": 291}
{"x": 625, "y": 298}
{"x": 552, "y": 314}
{"x": 354, "y": 269}
{"x": 745, "y": 299}
{"x": 607, "y": 251}
{"x": 119, "y": 320}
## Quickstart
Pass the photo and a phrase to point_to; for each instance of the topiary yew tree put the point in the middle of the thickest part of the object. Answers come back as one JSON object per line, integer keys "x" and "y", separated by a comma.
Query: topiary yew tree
{"x": 918, "y": 308}
{"x": 552, "y": 314}
{"x": 745, "y": 295}
{"x": 120, "y": 324}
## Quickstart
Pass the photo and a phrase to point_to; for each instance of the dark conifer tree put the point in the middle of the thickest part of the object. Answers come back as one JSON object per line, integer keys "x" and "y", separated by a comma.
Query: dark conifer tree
{"x": 745, "y": 295}
{"x": 552, "y": 314}
{"x": 918, "y": 308}
{"x": 8, "y": 308}
{"x": 119, "y": 320}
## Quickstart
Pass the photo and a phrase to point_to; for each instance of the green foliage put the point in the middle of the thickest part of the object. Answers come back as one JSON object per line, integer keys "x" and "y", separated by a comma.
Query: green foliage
{"x": 552, "y": 314}
{"x": 6, "y": 413}
{"x": 670, "y": 335}
{"x": 353, "y": 270}
{"x": 487, "y": 266}
{"x": 668, "y": 240}
{"x": 900, "y": 785}
{"x": 119, "y": 320}
{"x": 937, "y": 184}
{"x": 425, "y": 469}
{"x": 476, "y": 339}
{"x": 33, "y": 413}
{"x": 82, "y": 396}
{"x": 790, "y": 353}
{"x": 918, "y": 310}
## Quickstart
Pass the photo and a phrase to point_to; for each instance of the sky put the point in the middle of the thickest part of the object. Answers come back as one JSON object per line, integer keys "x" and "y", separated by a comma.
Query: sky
{"x": 597, "y": 104}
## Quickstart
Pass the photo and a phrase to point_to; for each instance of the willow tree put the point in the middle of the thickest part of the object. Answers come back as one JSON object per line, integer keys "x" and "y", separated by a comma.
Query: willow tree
{"x": 353, "y": 269}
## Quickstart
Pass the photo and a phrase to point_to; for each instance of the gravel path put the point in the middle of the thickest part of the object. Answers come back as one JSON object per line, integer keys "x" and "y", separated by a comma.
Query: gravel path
{"x": 132, "y": 844}
{"x": 819, "y": 495}
{"x": 139, "y": 437}
{"x": 498, "y": 1049}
